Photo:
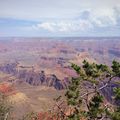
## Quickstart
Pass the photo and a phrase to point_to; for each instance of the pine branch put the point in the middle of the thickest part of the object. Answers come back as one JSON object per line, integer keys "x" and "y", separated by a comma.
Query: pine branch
{"x": 104, "y": 86}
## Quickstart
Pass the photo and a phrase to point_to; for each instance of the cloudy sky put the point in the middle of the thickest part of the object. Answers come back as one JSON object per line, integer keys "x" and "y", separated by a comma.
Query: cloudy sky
{"x": 59, "y": 18}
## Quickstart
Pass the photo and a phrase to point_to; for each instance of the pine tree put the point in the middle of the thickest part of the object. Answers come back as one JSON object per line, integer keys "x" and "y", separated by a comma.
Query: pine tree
{"x": 5, "y": 109}
{"x": 93, "y": 74}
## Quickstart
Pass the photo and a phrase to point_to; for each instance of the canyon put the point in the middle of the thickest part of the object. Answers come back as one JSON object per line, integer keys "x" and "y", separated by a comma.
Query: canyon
{"x": 34, "y": 71}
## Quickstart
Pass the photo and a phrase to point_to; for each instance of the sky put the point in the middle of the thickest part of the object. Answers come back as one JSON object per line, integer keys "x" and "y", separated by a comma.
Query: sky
{"x": 51, "y": 18}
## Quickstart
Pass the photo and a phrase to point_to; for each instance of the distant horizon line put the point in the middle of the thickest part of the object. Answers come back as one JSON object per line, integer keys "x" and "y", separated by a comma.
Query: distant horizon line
{"x": 59, "y": 36}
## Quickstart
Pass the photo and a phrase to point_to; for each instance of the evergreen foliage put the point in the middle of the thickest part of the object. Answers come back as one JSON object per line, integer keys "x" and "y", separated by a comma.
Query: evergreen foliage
{"x": 93, "y": 74}
{"x": 5, "y": 109}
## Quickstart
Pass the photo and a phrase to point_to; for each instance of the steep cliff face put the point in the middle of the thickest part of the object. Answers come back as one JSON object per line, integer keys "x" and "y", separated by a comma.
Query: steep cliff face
{"x": 35, "y": 78}
{"x": 42, "y": 79}
{"x": 9, "y": 68}
{"x": 115, "y": 52}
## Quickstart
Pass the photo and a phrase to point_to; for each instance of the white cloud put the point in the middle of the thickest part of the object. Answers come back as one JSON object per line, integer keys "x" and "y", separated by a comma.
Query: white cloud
{"x": 88, "y": 19}
{"x": 46, "y": 25}
{"x": 64, "y": 26}
{"x": 104, "y": 17}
